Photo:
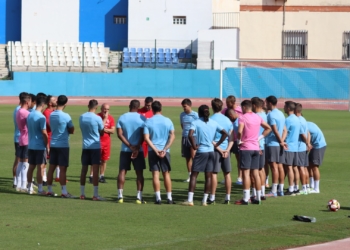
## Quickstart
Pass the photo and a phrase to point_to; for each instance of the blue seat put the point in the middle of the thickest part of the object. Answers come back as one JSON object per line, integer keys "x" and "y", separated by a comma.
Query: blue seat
{"x": 160, "y": 51}
{"x": 173, "y": 51}
{"x": 140, "y": 59}
{"x": 139, "y": 50}
{"x": 146, "y": 50}
{"x": 132, "y": 50}
{"x": 188, "y": 54}
{"x": 147, "y": 59}
{"x": 133, "y": 59}
{"x": 181, "y": 54}
{"x": 133, "y": 53}
{"x": 153, "y": 50}
{"x": 168, "y": 60}
{"x": 126, "y": 53}
{"x": 175, "y": 60}
{"x": 161, "y": 58}
{"x": 167, "y": 50}
{"x": 125, "y": 49}
{"x": 126, "y": 59}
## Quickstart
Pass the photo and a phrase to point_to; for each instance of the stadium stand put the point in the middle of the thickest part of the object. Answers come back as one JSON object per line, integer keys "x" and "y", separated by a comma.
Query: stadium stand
{"x": 3, "y": 69}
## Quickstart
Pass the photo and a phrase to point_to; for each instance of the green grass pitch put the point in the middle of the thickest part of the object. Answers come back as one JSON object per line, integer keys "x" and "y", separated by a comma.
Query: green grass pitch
{"x": 34, "y": 222}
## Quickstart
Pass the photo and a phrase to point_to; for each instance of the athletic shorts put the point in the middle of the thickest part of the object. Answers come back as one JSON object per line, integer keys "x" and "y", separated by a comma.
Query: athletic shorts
{"x": 275, "y": 154}
{"x": 23, "y": 152}
{"x": 59, "y": 157}
{"x": 105, "y": 153}
{"x": 262, "y": 159}
{"x": 235, "y": 149}
{"x": 158, "y": 164}
{"x": 316, "y": 155}
{"x": 36, "y": 157}
{"x": 125, "y": 161}
{"x": 186, "y": 147}
{"x": 145, "y": 149}
{"x": 303, "y": 159}
{"x": 91, "y": 157}
{"x": 203, "y": 162}
{"x": 221, "y": 163}
{"x": 290, "y": 158}
{"x": 16, "y": 149}
{"x": 249, "y": 159}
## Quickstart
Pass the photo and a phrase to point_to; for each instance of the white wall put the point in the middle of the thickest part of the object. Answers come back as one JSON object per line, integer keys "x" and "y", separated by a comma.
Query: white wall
{"x": 226, "y": 46}
{"x": 53, "y": 20}
{"x": 160, "y": 24}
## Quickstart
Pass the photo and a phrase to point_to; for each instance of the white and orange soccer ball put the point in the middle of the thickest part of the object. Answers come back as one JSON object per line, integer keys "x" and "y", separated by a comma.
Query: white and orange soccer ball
{"x": 333, "y": 205}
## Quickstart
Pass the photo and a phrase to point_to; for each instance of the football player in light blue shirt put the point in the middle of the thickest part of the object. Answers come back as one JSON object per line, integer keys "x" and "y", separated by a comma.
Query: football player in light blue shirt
{"x": 91, "y": 127}
{"x": 186, "y": 118}
{"x": 275, "y": 145}
{"x": 222, "y": 153}
{"x": 316, "y": 155}
{"x": 204, "y": 160}
{"x": 130, "y": 132}
{"x": 37, "y": 143}
{"x": 159, "y": 133}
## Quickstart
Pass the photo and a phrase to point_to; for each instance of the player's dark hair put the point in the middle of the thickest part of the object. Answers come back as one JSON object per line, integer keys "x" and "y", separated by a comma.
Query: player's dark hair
{"x": 290, "y": 105}
{"x": 93, "y": 104}
{"x": 62, "y": 100}
{"x": 25, "y": 97}
{"x": 227, "y": 112}
{"x": 33, "y": 97}
{"x": 203, "y": 112}
{"x": 231, "y": 99}
{"x": 134, "y": 104}
{"x": 298, "y": 108}
{"x": 272, "y": 99}
{"x": 156, "y": 106}
{"x": 186, "y": 101}
{"x": 40, "y": 101}
{"x": 41, "y": 94}
{"x": 216, "y": 105}
{"x": 22, "y": 94}
{"x": 48, "y": 99}
{"x": 257, "y": 102}
{"x": 148, "y": 99}
{"x": 246, "y": 103}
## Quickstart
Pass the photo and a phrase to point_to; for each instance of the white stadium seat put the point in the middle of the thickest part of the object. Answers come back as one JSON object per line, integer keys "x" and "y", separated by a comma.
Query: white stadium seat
{"x": 34, "y": 63}
{"x": 101, "y": 45}
{"x": 76, "y": 63}
{"x": 26, "y": 62}
{"x": 41, "y": 63}
{"x": 86, "y": 45}
{"x": 93, "y": 45}
{"x": 97, "y": 63}
{"x": 17, "y": 44}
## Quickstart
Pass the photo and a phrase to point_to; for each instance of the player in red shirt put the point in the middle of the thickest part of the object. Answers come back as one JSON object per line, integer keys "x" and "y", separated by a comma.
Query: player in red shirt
{"x": 50, "y": 107}
{"x": 109, "y": 128}
{"x": 146, "y": 111}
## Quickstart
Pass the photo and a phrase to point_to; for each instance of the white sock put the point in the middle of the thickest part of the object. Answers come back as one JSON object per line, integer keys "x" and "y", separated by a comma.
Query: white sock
{"x": 189, "y": 174}
{"x": 262, "y": 190}
{"x": 57, "y": 172}
{"x": 82, "y": 190}
{"x": 168, "y": 194}
{"x": 120, "y": 193}
{"x": 96, "y": 191}
{"x": 227, "y": 197}
{"x": 49, "y": 188}
{"x": 274, "y": 188}
{"x": 158, "y": 198}
{"x": 32, "y": 179}
{"x": 296, "y": 187}
{"x": 190, "y": 196}
{"x": 267, "y": 180}
{"x": 45, "y": 176}
{"x": 308, "y": 185}
{"x": 102, "y": 175}
{"x": 24, "y": 172}
{"x": 212, "y": 197}
{"x": 29, "y": 186}
{"x": 18, "y": 174}
{"x": 258, "y": 195}
{"x": 312, "y": 184}
{"x": 246, "y": 195}
{"x": 40, "y": 187}
{"x": 304, "y": 188}
{"x": 14, "y": 180}
{"x": 254, "y": 191}
{"x": 317, "y": 186}
{"x": 281, "y": 186}
{"x": 291, "y": 189}
{"x": 139, "y": 195}
{"x": 64, "y": 189}
{"x": 205, "y": 197}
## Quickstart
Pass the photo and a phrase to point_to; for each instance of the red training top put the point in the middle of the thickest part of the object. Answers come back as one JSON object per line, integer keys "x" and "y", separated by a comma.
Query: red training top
{"x": 146, "y": 113}
{"x": 47, "y": 113}
{"x": 105, "y": 138}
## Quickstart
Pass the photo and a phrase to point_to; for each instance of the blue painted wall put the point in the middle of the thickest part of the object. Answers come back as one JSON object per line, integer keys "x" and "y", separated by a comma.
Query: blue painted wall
{"x": 10, "y": 20}
{"x": 291, "y": 83}
{"x": 97, "y": 24}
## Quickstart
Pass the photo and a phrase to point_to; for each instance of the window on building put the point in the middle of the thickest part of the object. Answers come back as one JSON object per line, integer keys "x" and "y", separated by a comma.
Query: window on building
{"x": 294, "y": 44}
{"x": 119, "y": 19}
{"x": 179, "y": 20}
{"x": 346, "y": 45}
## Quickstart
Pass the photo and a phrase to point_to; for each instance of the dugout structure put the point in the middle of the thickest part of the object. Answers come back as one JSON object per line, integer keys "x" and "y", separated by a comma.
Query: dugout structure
{"x": 315, "y": 84}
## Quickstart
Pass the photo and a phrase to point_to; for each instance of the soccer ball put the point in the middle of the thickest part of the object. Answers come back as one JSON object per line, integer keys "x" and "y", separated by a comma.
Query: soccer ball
{"x": 333, "y": 205}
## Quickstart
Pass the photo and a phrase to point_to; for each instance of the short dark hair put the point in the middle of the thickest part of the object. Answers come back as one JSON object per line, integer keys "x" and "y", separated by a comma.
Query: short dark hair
{"x": 298, "y": 108}
{"x": 41, "y": 94}
{"x": 48, "y": 99}
{"x": 216, "y": 105}
{"x": 231, "y": 98}
{"x": 33, "y": 97}
{"x": 22, "y": 94}
{"x": 148, "y": 99}
{"x": 246, "y": 103}
{"x": 186, "y": 101}
{"x": 257, "y": 102}
{"x": 25, "y": 97}
{"x": 156, "y": 106}
{"x": 62, "y": 100}
{"x": 203, "y": 112}
{"x": 271, "y": 99}
{"x": 40, "y": 101}
{"x": 290, "y": 105}
{"x": 93, "y": 103}
{"x": 134, "y": 104}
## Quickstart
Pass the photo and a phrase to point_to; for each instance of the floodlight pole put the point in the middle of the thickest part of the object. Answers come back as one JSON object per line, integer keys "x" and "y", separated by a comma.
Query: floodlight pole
{"x": 221, "y": 80}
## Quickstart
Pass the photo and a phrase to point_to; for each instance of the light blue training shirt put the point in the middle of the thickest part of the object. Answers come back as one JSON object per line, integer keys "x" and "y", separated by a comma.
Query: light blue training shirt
{"x": 303, "y": 130}
{"x": 59, "y": 123}
{"x": 275, "y": 117}
{"x": 36, "y": 123}
{"x": 293, "y": 133}
{"x": 16, "y": 132}
{"x": 317, "y": 138}
{"x": 132, "y": 124}
{"x": 186, "y": 120}
{"x": 90, "y": 126}
{"x": 226, "y": 124}
{"x": 262, "y": 142}
{"x": 158, "y": 128}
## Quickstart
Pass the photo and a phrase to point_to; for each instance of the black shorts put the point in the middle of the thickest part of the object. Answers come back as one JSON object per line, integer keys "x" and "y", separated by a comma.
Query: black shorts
{"x": 91, "y": 157}
{"x": 36, "y": 157}
{"x": 203, "y": 162}
{"x": 290, "y": 158}
{"x": 158, "y": 164}
{"x": 275, "y": 154}
{"x": 262, "y": 159}
{"x": 249, "y": 159}
{"x": 16, "y": 149}
{"x": 235, "y": 149}
{"x": 316, "y": 155}
{"x": 221, "y": 163}
{"x": 125, "y": 161}
{"x": 23, "y": 152}
{"x": 59, "y": 157}
{"x": 186, "y": 147}
{"x": 303, "y": 159}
